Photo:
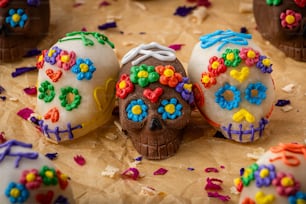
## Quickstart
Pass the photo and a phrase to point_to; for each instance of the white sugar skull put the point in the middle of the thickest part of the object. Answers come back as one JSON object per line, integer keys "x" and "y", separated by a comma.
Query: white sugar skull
{"x": 76, "y": 85}
{"x": 232, "y": 84}
{"x": 30, "y": 178}
{"x": 277, "y": 177}
{"x": 154, "y": 100}
{"x": 23, "y": 24}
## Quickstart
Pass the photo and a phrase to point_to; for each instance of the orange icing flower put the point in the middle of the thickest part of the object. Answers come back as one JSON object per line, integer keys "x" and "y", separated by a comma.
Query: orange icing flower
{"x": 168, "y": 76}
{"x": 208, "y": 79}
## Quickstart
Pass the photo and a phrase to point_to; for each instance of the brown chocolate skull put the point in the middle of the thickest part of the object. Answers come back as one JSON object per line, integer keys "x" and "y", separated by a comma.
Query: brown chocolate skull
{"x": 283, "y": 23}
{"x": 22, "y": 25}
{"x": 155, "y": 114}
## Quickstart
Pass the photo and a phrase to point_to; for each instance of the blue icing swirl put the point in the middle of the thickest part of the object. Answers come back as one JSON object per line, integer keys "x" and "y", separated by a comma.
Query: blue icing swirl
{"x": 224, "y": 37}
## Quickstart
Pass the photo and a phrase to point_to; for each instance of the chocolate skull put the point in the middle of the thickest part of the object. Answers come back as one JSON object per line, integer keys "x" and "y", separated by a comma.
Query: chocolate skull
{"x": 283, "y": 23}
{"x": 23, "y": 23}
{"x": 76, "y": 85}
{"x": 232, "y": 84}
{"x": 154, "y": 100}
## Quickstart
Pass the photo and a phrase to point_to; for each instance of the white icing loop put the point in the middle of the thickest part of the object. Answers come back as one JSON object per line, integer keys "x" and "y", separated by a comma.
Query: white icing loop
{"x": 164, "y": 54}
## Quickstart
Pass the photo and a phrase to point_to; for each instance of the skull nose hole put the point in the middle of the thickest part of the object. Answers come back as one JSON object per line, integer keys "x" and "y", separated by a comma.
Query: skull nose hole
{"x": 155, "y": 124}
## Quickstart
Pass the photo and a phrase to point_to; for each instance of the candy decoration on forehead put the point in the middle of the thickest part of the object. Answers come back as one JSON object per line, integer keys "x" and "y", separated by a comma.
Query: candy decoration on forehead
{"x": 163, "y": 53}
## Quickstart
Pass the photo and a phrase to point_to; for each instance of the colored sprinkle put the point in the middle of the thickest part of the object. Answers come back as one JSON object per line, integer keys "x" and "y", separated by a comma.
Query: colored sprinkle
{"x": 205, "y": 3}
{"x": 1, "y": 89}
{"x": 51, "y": 156}
{"x": 211, "y": 169}
{"x": 25, "y": 113}
{"x": 106, "y": 26}
{"x": 213, "y": 184}
{"x": 160, "y": 171}
{"x": 190, "y": 169}
{"x": 33, "y": 52}
{"x": 176, "y": 47}
{"x": 79, "y": 159}
{"x": 243, "y": 30}
{"x": 84, "y": 29}
{"x": 30, "y": 90}
{"x": 131, "y": 173}
{"x": 3, "y": 98}
{"x": 222, "y": 167}
{"x": 22, "y": 70}
{"x": 104, "y": 3}
{"x": 184, "y": 10}
{"x": 241, "y": 171}
{"x": 142, "y": 33}
{"x": 2, "y": 138}
{"x": 77, "y": 4}
{"x": 219, "y": 196}
{"x": 282, "y": 102}
{"x": 138, "y": 158}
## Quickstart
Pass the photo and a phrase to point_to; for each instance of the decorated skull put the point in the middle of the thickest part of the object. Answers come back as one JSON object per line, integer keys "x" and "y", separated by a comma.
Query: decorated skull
{"x": 76, "y": 85}
{"x": 154, "y": 100}
{"x": 23, "y": 24}
{"x": 283, "y": 22}
{"x": 232, "y": 84}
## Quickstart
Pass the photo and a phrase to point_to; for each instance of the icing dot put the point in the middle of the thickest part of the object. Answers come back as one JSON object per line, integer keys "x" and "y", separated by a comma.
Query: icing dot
{"x": 264, "y": 173}
{"x": 142, "y": 74}
{"x": 65, "y": 58}
{"x": 64, "y": 177}
{"x": 266, "y": 62}
{"x": 49, "y": 174}
{"x": 205, "y": 79}
{"x": 188, "y": 87}
{"x": 170, "y": 108}
{"x": 15, "y": 192}
{"x": 83, "y": 67}
{"x": 290, "y": 19}
{"x": 230, "y": 56}
{"x": 50, "y": 53}
{"x": 251, "y": 54}
{"x": 16, "y": 17}
{"x": 215, "y": 65}
{"x": 30, "y": 177}
{"x": 122, "y": 84}
{"x": 168, "y": 72}
{"x": 286, "y": 181}
{"x": 136, "y": 110}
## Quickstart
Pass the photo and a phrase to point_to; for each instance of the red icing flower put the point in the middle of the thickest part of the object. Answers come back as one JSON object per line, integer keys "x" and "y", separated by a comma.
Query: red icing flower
{"x": 41, "y": 59}
{"x": 248, "y": 200}
{"x": 31, "y": 179}
{"x": 216, "y": 66}
{"x": 168, "y": 76}
{"x": 65, "y": 59}
{"x": 290, "y": 19}
{"x": 300, "y": 3}
{"x": 250, "y": 56}
{"x": 62, "y": 179}
{"x": 208, "y": 79}
{"x": 3, "y": 3}
{"x": 124, "y": 86}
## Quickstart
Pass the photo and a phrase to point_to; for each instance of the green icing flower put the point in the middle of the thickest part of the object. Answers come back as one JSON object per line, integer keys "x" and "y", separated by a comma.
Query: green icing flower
{"x": 249, "y": 174}
{"x": 143, "y": 75}
{"x": 231, "y": 57}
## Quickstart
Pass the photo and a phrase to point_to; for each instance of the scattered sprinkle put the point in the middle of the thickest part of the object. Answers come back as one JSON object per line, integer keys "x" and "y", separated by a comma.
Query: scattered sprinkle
{"x": 2, "y": 138}
{"x": 243, "y": 30}
{"x": 138, "y": 158}
{"x": 132, "y": 173}
{"x": 258, "y": 152}
{"x": 30, "y": 90}
{"x": 107, "y": 25}
{"x": 287, "y": 108}
{"x": 22, "y": 70}
{"x": 282, "y": 102}
{"x": 190, "y": 169}
{"x": 84, "y": 29}
{"x": 25, "y": 113}
{"x": 213, "y": 184}
{"x": 3, "y": 98}
{"x": 211, "y": 169}
{"x": 142, "y": 33}
{"x": 110, "y": 171}
{"x": 288, "y": 88}
{"x": 241, "y": 171}
{"x": 183, "y": 11}
{"x": 1, "y": 89}
{"x": 205, "y": 3}
{"x": 176, "y": 47}
{"x": 79, "y": 159}
{"x": 75, "y": 5}
{"x": 104, "y": 3}
{"x": 219, "y": 196}
{"x": 51, "y": 156}
{"x": 222, "y": 167}
{"x": 33, "y": 52}
{"x": 160, "y": 171}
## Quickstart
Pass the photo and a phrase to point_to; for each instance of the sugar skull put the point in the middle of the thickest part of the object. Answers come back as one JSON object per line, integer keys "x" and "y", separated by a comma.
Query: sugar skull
{"x": 23, "y": 24}
{"x": 76, "y": 85}
{"x": 29, "y": 177}
{"x": 154, "y": 100}
{"x": 277, "y": 177}
{"x": 283, "y": 23}
{"x": 232, "y": 84}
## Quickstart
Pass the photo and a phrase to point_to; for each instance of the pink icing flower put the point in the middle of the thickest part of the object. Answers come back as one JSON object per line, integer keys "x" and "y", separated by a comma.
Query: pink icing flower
{"x": 31, "y": 179}
{"x": 290, "y": 19}
{"x": 285, "y": 184}
{"x": 65, "y": 59}
{"x": 250, "y": 56}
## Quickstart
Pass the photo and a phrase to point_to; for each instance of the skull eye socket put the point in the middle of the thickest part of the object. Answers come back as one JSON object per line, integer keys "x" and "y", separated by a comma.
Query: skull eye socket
{"x": 136, "y": 110}
{"x": 255, "y": 93}
{"x": 228, "y": 97}
{"x": 16, "y": 18}
{"x": 170, "y": 109}
{"x": 70, "y": 98}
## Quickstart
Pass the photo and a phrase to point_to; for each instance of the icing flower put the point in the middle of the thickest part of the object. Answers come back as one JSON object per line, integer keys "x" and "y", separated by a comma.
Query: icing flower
{"x": 299, "y": 197}
{"x": 290, "y": 19}
{"x": 51, "y": 55}
{"x": 41, "y": 59}
{"x": 47, "y": 92}
{"x": 16, "y": 193}
{"x": 273, "y": 2}
{"x": 249, "y": 174}
{"x": 143, "y": 75}
{"x": 216, "y": 66}
{"x": 300, "y": 3}
{"x": 48, "y": 175}
{"x": 208, "y": 79}
{"x": 231, "y": 57}
{"x": 248, "y": 200}
{"x": 124, "y": 86}
{"x": 65, "y": 59}
{"x": 264, "y": 64}
{"x": 3, "y": 3}
{"x": 250, "y": 56}
{"x": 264, "y": 175}
{"x": 31, "y": 179}
{"x": 137, "y": 110}
{"x": 170, "y": 109}
{"x": 16, "y": 18}
{"x": 285, "y": 184}
{"x": 228, "y": 97}
{"x": 66, "y": 102}
{"x": 168, "y": 76}
{"x": 83, "y": 68}
{"x": 186, "y": 90}
{"x": 62, "y": 179}
{"x": 255, "y": 93}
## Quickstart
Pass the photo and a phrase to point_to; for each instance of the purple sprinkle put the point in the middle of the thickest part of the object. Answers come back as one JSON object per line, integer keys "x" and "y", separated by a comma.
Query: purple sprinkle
{"x": 184, "y": 10}
{"x": 282, "y": 102}
{"x": 106, "y": 26}
{"x": 51, "y": 156}
{"x": 30, "y": 90}
{"x": 190, "y": 169}
{"x": 32, "y": 53}
{"x": 33, "y": 2}
{"x": 243, "y": 30}
{"x": 160, "y": 171}
{"x": 22, "y": 70}
{"x": 138, "y": 158}
{"x": 1, "y": 89}
{"x": 104, "y": 3}
{"x": 3, "y": 98}
{"x": 241, "y": 171}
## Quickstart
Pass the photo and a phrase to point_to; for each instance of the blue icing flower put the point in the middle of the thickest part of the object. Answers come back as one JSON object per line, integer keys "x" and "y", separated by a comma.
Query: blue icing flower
{"x": 228, "y": 97}
{"x": 16, "y": 18}
{"x": 16, "y": 193}
{"x": 299, "y": 197}
{"x": 83, "y": 68}
{"x": 255, "y": 93}
{"x": 170, "y": 109}
{"x": 137, "y": 110}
